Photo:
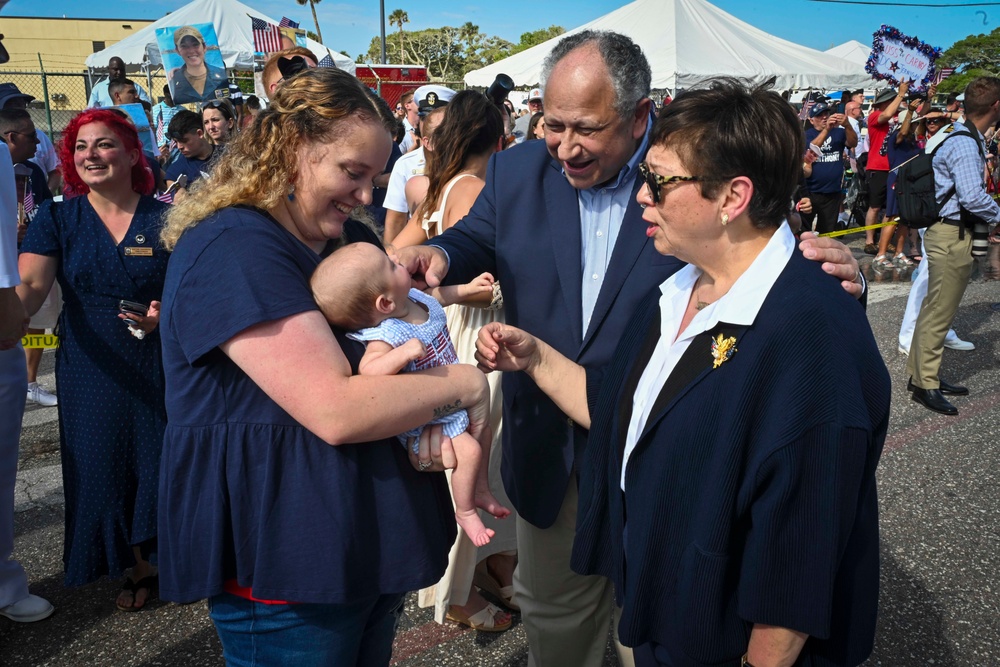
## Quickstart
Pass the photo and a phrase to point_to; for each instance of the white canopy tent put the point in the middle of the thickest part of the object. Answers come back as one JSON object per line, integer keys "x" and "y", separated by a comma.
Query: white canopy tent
{"x": 232, "y": 26}
{"x": 687, "y": 41}
{"x": 853, "y": 50}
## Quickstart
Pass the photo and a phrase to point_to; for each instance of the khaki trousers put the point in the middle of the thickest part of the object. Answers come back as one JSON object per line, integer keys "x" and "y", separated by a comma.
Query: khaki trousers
{"x": 565, "y": 615}
{"x": 949, "y": 266}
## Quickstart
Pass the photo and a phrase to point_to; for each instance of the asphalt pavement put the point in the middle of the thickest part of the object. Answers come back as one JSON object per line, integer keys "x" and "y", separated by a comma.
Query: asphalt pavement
{"x": 939, "y": 485}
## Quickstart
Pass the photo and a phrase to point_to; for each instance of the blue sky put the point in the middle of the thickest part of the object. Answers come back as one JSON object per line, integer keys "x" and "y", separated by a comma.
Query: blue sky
{"x": 351, "y": 25}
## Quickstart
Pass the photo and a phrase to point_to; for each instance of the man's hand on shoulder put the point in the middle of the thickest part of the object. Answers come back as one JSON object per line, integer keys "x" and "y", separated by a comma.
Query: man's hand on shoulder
{"x": 837, "y": 260}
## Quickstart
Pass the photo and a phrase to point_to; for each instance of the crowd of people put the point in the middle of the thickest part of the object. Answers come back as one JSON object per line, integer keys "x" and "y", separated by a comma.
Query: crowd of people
{"x": 900, "y": 127}
{"x": 259, "y": 389}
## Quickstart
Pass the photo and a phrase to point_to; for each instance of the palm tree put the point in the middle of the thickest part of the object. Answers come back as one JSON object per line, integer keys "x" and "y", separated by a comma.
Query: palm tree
{"x": 399, "y": 17}
{"x": 312, "y": 5}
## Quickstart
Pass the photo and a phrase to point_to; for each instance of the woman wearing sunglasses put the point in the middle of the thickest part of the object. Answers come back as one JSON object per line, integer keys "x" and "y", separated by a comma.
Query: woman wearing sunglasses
{"x": 196, "y": 80}
{"x": 728, "y": 485}
{"x": 219, "y": 119}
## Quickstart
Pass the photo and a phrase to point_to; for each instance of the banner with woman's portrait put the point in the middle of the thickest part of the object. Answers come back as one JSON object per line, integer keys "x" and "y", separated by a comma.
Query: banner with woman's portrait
{"x": 193, "y": 62}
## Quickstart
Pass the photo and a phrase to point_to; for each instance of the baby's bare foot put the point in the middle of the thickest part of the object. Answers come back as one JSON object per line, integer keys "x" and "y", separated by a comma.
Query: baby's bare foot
{"x": 487, "y": 502}
{"x": 473, "y": 526}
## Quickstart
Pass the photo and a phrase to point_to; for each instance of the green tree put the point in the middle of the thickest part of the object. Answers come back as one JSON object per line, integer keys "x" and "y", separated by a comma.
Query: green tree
{"x": 956, "y": 83}
{"x": 536, "y": 37}
{"x": 974, "y": 52}
{"x": 976, "y": 55}
{"x": 313, "y": 36}
{"x": 397, "y": 18}
{"x": 312, "y": 5}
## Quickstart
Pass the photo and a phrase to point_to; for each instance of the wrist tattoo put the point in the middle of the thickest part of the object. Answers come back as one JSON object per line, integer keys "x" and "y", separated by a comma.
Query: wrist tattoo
{"x": 445, "y": 410}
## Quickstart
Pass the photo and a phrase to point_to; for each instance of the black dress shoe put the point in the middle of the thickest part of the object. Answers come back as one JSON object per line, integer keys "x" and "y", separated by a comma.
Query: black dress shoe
{"x": 946, "y": 389}
{"x": 932, "y": 399}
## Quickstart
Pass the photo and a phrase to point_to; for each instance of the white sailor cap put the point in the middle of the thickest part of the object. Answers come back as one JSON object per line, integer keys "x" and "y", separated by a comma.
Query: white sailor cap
{"x": 432, "y": 97}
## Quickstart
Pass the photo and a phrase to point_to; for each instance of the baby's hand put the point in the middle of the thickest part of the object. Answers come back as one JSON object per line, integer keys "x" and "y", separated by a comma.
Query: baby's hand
{"x": 414, "y": 348}
{"x": 481, "y": 284}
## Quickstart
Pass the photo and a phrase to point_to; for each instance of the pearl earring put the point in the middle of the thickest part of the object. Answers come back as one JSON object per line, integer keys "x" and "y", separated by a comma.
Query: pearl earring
{"x": 725, "y": 219}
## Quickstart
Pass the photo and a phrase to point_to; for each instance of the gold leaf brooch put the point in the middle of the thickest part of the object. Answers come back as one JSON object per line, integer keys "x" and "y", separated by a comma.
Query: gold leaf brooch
{"x": 722, "y": 349}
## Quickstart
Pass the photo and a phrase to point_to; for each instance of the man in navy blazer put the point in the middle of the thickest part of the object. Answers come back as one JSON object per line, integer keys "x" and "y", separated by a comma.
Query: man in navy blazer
{"x": 557, "y": 223}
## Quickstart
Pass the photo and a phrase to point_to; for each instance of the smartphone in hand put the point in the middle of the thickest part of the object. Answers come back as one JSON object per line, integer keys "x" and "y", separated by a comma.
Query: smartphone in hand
{"x": 132, "y": 308}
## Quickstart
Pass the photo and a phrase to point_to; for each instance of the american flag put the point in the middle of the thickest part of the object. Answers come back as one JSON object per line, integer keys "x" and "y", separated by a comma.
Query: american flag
{"x": 160, "y": 136}
{"x": 806, "y": 106}
{"x": 327, "y": 61}
{"x": 29, "y": 199}
{"x": 943, "y": 73}
{"x": 165, "y": 197}
{"x": 287, "y": 23}
{"x": 266, "y": 36}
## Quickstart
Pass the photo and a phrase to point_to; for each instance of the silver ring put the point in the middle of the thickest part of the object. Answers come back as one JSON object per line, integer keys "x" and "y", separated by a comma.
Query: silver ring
{"x": 424, "y": 465}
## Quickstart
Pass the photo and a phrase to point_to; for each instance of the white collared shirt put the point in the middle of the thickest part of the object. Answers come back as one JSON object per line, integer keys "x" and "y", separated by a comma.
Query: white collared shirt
{"x": 738, "y": 306}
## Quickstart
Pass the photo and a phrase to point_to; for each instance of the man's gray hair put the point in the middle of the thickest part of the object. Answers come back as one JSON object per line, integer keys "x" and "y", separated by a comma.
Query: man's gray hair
{"x": 627, "y": 65}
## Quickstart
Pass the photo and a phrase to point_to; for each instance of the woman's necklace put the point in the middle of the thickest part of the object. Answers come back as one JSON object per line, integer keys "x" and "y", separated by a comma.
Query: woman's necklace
{"x": 698, "y": 303}
{"x": 195, "y": 76}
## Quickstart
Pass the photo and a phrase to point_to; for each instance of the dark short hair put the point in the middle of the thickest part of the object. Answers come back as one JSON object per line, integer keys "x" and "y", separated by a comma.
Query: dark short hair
{"x": 729, "y": 128}
{"x": 184, "y": 123}
{"x": 951, "y": 99}
{"x": 981, "y": 93}
{"x": 11, "y": 119}
{"x": 119, "y": 86}
{"x": 627, "y": 65}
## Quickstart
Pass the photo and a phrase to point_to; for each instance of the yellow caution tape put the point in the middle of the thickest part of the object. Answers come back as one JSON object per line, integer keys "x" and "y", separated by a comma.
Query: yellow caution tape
{"x": 46, "y": 341}
{"x": 853, "y": 230}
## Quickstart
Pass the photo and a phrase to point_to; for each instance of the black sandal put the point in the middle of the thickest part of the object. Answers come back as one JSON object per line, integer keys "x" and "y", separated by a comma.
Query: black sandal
{"x": 150, "y": 583}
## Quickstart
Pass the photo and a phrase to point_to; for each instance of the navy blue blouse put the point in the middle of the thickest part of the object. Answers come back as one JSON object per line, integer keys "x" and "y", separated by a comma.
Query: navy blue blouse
{"x": 245, "y": 491}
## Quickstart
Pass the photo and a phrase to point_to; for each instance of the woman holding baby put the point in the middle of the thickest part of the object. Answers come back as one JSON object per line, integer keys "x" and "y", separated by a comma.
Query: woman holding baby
{"x": 277, "y": 457}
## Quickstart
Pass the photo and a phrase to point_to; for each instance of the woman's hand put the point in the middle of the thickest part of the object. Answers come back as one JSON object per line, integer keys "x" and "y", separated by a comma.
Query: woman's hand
{"x": 479, "y": 414}
{"x": 837, "y": 261}
{"x": 501, "y": 347}
{"x": 146, "y": 323}
{"x": 435, "y": 452}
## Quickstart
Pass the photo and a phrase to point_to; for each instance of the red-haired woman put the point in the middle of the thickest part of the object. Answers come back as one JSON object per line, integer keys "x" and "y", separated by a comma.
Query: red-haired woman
{"x": 103, "y": 247}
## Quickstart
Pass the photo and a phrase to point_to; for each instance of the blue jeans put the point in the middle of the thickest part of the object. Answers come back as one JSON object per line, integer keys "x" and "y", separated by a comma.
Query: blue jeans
{"x": 254, "y": 634}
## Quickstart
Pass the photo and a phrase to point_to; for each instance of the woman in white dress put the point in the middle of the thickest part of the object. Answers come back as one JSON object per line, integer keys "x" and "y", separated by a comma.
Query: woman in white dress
{"x": 471, "y": 131}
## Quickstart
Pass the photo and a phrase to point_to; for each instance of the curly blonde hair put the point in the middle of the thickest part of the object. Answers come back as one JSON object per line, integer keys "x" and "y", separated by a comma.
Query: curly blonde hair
{"x": 259, "y": 165}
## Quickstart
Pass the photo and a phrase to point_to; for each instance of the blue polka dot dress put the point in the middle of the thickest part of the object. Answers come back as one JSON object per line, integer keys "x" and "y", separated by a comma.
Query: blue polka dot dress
{"x": 111, "y": 411}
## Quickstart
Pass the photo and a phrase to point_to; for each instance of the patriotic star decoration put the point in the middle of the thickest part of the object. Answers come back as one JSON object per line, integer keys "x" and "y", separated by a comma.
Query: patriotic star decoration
{"x": 894, "y": 66}
{"x": 722, "y": 349}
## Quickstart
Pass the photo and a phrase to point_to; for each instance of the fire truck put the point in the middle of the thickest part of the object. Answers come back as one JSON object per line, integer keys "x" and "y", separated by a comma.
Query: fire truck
{"x": 391, "y": 81}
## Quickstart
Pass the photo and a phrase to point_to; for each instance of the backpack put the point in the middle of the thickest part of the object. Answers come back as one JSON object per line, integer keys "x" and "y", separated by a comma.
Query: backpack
{"x": 915, "y": 190}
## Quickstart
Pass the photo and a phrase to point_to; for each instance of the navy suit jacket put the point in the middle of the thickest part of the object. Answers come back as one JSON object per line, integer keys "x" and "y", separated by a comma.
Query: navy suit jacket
{"x": 750, "y": 495}
{"x": 525, "y": 229}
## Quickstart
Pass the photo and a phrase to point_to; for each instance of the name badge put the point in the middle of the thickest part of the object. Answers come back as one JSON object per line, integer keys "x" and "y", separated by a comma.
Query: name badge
{"x": 139, "y": 252}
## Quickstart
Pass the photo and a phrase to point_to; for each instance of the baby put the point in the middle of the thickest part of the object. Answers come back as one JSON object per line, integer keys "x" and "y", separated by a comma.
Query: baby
{"x": 359, "y": 288}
